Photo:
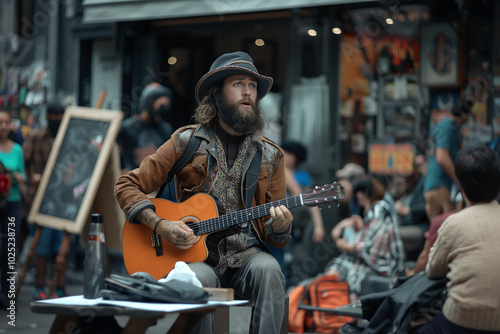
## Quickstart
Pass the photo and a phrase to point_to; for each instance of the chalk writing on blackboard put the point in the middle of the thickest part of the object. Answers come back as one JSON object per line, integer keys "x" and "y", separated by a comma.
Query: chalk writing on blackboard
{"x": 73, "y": 168}
{"x": 80, "y": 156}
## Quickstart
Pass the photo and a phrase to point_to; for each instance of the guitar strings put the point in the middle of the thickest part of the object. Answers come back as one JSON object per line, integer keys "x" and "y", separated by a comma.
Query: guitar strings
{"x": 239, "y": 217}
{"x": 242, "y": 216}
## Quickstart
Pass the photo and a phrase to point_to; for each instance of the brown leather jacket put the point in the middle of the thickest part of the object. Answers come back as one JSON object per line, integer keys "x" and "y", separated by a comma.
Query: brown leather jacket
{"x": 197, "y": 176}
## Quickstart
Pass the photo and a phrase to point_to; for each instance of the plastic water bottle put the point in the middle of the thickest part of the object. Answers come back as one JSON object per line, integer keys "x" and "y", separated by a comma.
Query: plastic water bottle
{"x": 94, "y": 265}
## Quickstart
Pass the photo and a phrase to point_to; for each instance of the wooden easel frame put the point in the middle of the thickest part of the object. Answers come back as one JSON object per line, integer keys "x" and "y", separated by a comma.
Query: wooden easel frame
{"x": 99, "y": 192}
{"x": 52, "y": 217}
{"x": 103, "y": 203}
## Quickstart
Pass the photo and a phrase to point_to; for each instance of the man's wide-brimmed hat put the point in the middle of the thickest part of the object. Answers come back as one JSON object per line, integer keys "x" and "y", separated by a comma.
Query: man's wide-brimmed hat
{"x": 227, "y": 65}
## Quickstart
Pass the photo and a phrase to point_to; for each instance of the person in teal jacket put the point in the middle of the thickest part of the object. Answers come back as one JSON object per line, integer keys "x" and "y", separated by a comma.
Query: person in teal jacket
{"x": 11, "y": 155}
{"x": 442, "y": 152}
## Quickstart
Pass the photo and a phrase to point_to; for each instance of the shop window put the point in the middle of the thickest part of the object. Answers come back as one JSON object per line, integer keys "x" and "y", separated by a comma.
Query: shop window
{"x": 311, "y": 57}
{"x": 25, "y": 25}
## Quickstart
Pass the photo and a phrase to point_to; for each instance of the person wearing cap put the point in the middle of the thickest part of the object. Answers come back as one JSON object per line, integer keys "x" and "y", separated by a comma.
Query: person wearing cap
{"x": 345, "y": 176}
{"x": 230, "y": 119}
{"x": 142, "y": 134}
{"x": 443, "y": 147}
{"x": 376, "y": 250}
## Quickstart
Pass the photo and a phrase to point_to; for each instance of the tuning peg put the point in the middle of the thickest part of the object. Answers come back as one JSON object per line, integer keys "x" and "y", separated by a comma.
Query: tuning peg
{"x": 329, "y": 206}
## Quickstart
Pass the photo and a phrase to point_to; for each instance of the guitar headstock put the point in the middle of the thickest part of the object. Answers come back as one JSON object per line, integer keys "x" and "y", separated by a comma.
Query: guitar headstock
{"x": 326, "y": 194}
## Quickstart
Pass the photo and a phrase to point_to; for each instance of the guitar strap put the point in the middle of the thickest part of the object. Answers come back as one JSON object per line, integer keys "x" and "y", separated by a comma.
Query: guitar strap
{"x": 252, "y": 176}
{"x": 192, "y": 146}
{"x": 188, "y": 153}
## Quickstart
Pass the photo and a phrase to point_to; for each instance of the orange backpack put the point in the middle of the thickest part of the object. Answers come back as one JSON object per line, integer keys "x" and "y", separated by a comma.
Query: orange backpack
{"x": 325, "y": 291}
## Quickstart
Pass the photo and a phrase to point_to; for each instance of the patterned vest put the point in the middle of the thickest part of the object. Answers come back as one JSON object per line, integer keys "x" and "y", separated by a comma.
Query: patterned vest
{"x": 236, "y": 248}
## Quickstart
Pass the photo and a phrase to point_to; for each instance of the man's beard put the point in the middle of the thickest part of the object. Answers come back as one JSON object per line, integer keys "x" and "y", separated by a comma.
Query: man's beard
{"x": 240, "y": 121}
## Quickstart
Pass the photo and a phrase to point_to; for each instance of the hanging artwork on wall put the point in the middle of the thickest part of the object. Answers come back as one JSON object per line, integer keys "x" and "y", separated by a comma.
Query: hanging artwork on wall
{"x": 440, "y": 55}
{"x": 477, "y": 90}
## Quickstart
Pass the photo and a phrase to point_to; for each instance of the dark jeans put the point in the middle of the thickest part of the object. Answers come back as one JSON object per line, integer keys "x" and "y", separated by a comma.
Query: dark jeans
{"x": 441, "y": 325}
{"x": 259, "y": 279}
{"x": 10, "y": 213}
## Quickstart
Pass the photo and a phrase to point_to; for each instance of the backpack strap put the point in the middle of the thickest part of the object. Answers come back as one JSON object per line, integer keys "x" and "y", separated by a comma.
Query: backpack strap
{"x": 188, "y": 153}
{"x": 252, "y": 176}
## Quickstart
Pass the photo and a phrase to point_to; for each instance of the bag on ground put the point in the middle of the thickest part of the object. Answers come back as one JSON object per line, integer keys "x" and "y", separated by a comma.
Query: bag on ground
{"x": 324, "y": 291}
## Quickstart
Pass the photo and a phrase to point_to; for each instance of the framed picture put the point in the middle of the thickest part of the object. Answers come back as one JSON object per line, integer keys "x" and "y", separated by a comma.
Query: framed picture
{"x": 75, "y": 168}
{"x": 390, "y": 159}
{"x": 442, "y": 102}
{"x": 441, "y": 56}
{"x": 477, "y": 90}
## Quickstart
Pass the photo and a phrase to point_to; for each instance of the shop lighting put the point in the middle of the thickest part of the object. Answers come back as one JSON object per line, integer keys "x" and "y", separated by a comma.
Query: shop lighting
{"x": 172, "y": 60}
{"x": 337, "y": 31}
{"x": 312, "y": 32}
{"x": 389, "y": 20}
{"x": 259, "y": 42}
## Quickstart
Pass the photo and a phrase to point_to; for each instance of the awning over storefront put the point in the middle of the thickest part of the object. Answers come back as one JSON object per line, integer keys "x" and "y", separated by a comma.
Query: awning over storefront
{"x": 97, "y": 11}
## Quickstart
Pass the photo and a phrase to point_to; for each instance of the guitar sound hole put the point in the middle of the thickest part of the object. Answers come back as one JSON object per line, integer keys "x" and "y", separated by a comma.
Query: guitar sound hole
{"x": 193, "y": 225}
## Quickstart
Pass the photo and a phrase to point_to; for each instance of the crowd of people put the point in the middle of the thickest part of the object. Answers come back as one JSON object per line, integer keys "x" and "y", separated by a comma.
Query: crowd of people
{"x": 24, "y": 160}
{"x": 390, "y": 229}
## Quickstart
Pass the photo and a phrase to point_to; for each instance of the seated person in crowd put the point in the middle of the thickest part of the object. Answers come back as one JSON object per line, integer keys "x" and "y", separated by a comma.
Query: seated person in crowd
{"x": 411, "y": 210}
{"x": 431, "y": 236}
{"x": 378, "y": 249}
{"x": 467, "y": 250}
{"x": 345, "y": 176}
{"x": 299, "y": 181}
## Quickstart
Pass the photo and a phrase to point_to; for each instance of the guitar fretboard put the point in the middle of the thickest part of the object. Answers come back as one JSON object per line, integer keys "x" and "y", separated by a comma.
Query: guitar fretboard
{"x": 231, "y": 219}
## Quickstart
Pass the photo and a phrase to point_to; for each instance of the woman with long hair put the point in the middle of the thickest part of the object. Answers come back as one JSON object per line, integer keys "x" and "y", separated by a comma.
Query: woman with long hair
{"x": 377, "y": 248}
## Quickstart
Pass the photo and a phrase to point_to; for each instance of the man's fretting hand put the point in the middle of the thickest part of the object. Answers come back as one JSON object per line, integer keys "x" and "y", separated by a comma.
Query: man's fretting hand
{"x": 281, "y": 218}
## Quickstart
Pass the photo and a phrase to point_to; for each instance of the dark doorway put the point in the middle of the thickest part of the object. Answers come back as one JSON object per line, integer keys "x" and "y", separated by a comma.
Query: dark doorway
{"x": 184, "y": 59}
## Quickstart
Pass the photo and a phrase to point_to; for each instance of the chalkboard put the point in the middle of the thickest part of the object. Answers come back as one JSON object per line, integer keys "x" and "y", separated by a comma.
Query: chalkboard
{"x": 75, "y": 168}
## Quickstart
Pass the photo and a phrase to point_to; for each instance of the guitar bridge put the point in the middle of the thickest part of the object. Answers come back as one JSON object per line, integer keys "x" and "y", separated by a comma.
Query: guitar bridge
{"x": 156, "y": 243}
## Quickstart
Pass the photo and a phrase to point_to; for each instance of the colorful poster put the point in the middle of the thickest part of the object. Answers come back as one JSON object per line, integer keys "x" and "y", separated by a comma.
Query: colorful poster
{"x": 388, "y": 159}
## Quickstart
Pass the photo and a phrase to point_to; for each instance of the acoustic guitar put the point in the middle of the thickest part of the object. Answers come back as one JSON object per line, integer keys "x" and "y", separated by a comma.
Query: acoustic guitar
{"x": 201, "y": 214}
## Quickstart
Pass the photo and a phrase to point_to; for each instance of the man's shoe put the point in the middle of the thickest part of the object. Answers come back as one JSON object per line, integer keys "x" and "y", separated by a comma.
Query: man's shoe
{"x": 38, "y": 294}
{"x": 59, "y": 293}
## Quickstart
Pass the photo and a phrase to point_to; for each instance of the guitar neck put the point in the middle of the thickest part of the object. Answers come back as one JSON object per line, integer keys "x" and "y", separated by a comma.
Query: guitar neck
{"x": 231, "y": 219}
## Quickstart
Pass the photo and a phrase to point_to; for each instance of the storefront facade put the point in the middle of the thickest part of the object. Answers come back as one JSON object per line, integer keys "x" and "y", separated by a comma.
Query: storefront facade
{"x": 346, "y": 77}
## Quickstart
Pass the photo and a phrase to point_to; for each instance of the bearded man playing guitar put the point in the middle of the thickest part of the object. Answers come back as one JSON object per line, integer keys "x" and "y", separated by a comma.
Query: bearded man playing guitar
{"x": 230, "y": 121}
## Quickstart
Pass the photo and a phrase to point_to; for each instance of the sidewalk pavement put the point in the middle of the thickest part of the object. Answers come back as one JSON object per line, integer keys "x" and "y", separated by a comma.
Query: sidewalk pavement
{"x": 27, "y": 322}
